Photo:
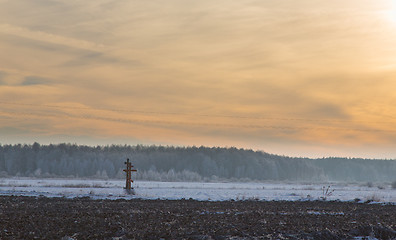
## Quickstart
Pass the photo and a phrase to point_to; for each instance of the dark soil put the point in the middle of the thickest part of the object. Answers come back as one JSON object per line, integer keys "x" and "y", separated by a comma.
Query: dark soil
{"x": 83, "y": 218}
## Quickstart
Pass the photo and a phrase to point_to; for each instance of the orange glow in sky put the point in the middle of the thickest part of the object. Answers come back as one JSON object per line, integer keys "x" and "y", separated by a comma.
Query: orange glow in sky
{"x": 299, "y": 78}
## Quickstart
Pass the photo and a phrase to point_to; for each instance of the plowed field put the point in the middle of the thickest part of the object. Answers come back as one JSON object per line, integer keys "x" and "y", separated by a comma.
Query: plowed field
{"x": 84, "y": 218}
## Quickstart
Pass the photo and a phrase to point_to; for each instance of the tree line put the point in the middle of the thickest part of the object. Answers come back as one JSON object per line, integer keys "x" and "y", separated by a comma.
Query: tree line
{"x": 169, "y": 163}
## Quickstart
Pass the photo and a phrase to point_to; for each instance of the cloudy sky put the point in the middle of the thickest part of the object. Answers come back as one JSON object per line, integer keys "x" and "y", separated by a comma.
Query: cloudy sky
{"x": 300, "y": 78}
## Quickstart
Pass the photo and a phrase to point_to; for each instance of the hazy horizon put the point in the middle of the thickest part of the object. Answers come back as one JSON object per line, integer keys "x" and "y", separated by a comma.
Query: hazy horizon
{"x": 304, "y": 79}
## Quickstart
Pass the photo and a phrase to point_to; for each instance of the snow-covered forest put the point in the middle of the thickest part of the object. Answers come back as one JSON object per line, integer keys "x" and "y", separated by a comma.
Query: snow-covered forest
{"x": 184, "y": 164}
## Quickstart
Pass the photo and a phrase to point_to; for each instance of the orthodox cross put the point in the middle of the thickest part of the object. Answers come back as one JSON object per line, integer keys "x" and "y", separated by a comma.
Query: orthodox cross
{"x": 129, "y": 170}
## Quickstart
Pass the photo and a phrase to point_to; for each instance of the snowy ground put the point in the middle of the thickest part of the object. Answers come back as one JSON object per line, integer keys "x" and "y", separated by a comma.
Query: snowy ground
{"x": 113, "y": 189}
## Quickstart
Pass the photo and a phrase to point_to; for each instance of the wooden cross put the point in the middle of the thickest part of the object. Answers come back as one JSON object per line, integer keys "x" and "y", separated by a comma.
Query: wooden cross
{"x": 129, "y": 170}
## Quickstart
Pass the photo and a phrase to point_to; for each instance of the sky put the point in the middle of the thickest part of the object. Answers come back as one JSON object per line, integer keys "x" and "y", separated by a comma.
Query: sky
{"x": 308, "y": 78}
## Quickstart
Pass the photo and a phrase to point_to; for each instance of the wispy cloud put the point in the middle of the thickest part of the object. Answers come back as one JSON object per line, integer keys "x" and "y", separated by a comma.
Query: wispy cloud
{"x": 2, "y": 77}
{"x": 48, "y": 37}
{"x": 99, "y": 58}
{"x": 7, "y": 131}
{"x": 35, "y": 80}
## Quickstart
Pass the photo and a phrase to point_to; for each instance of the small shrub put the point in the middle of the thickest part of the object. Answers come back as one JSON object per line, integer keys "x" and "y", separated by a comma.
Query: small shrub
{"x": 326, "y": 192}
{"x": 373, "y": 198}
{"x": 369, "y": 184}
{"x": 381, "y": 187}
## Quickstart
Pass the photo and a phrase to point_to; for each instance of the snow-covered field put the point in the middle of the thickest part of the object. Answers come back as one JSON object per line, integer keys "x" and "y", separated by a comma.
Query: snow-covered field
{"x": 113, "y": 189}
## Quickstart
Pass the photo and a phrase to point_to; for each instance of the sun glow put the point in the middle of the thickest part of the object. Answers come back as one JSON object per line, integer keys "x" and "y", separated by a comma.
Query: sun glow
{"x": 391, "y": 13}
